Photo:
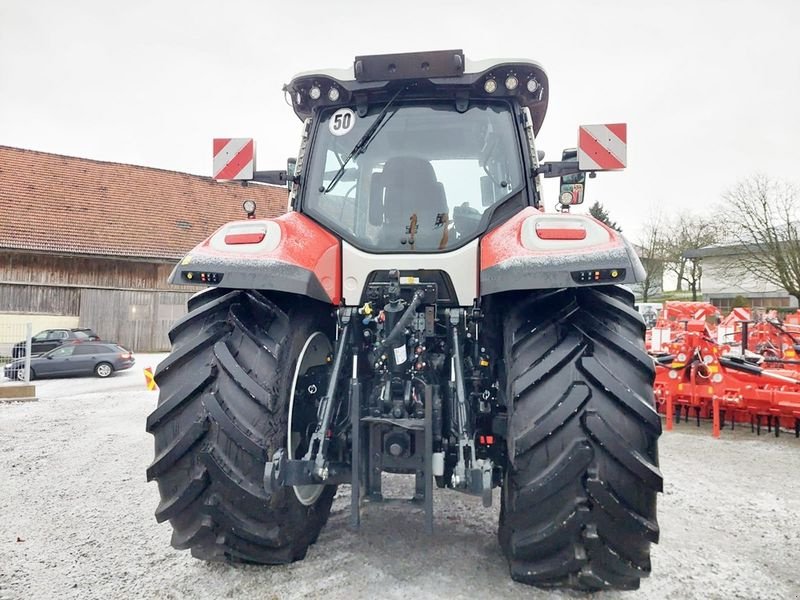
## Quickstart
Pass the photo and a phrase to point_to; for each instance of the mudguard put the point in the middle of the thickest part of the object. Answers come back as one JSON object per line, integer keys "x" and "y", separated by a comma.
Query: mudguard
{"x": 290, "y": 253}
{"x": 536, "y": 250}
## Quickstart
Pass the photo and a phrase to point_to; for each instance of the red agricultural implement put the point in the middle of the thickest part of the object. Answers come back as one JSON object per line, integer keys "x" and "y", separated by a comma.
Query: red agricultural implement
{"x": 720, "y": 382}
{"x": 673, "y": 319}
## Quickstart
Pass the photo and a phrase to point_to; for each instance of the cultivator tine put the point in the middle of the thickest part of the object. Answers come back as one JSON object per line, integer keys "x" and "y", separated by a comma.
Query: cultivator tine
{"x": 697, "y": 414}
{"x": 797, "y": 427}
{"x": 758, "y": 424}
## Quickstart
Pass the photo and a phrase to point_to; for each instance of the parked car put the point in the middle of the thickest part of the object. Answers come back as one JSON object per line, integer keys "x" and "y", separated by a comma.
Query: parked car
{"x": 49, "y": 339}
{"x": 82, "y": 358}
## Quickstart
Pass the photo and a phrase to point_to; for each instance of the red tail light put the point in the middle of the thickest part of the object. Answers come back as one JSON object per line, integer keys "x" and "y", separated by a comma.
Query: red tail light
{"x": 125, "y": 355}
{"x": 245, "y": 238}
{"x": 561, "y": 233}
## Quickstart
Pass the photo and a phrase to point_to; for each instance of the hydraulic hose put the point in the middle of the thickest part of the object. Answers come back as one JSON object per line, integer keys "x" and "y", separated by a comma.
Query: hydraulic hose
{"x": 396, "y": 334}
{"x": 740, "y": 365}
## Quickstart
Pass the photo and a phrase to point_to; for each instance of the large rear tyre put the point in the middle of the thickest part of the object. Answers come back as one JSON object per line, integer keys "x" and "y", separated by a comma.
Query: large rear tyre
{"x": 579, "y": 499}
{"x": 222, "y": 413}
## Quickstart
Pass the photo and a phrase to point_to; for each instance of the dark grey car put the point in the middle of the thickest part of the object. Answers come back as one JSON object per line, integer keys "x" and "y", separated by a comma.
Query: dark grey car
{"x": 85, "y": 358}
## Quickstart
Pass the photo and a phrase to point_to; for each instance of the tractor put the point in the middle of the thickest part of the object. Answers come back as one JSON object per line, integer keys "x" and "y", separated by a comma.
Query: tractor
{"x": 416, "y": 311}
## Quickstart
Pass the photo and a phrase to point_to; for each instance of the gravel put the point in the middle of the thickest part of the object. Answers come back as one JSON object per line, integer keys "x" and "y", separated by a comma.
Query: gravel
{"x": 77, "y": 518}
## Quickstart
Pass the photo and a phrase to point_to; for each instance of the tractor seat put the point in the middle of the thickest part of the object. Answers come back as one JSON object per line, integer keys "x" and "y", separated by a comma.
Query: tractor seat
{"x": 408, "y": 188}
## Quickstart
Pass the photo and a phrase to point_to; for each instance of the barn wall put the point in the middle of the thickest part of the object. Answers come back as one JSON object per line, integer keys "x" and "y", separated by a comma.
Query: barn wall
{"x": 137, "y": 320}
{"x": 82, "y": 271}
{"x": 128, "y": 302}
{"x": 36, "y": 299}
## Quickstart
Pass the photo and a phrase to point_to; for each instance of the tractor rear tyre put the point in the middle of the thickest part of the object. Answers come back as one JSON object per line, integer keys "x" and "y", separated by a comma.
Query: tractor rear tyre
{"x": 222, "y": 413}
{"x": 579, "y": 498}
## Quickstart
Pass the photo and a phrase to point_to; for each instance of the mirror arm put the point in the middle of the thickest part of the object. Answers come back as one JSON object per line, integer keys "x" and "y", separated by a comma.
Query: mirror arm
{"x": 558, "y": 169}
{"x": 271, "y": 177}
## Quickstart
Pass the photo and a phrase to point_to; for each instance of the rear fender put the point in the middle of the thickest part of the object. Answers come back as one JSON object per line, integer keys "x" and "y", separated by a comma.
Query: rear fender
{"x": 535, "y": 250}
{"x": 290, "y": 254}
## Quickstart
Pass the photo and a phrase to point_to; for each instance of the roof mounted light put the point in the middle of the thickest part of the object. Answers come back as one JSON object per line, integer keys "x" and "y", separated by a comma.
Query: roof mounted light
{"x": 511, "y": 83}
{"x": 249, "y": 207}
{"x": 532, "y": 85}
{"x": 490, "y": 86}
{"x": 314, "y": 93}
{"x": 333, "y": 94}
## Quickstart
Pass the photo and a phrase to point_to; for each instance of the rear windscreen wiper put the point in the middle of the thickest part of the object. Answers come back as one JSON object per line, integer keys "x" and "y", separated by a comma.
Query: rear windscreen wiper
{"x": 364, "y": 140}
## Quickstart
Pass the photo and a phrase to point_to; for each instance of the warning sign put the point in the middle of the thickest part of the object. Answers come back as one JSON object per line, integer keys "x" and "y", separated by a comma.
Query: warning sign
{"x": 234, "y": 158}
{"x": 602, "y": 147}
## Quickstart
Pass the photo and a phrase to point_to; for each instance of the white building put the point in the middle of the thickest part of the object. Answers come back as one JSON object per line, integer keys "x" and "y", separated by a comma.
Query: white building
{"x": 723, "y": 280}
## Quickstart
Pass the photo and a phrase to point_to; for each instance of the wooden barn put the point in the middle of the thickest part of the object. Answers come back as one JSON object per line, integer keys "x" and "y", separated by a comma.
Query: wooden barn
{"x": 86, "y": 243}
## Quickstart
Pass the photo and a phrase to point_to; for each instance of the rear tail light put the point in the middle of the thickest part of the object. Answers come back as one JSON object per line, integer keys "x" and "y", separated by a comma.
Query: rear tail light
{"x": 125, "y": 355}
{"x": 255, "y": 237}
{"x": 561, "y": 233}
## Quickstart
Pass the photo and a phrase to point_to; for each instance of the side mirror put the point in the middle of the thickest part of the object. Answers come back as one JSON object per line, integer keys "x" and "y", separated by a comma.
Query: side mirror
{"x": 291, "y": 167}
{"x": 49, "y": 357}
{"x": 571, "y": 187}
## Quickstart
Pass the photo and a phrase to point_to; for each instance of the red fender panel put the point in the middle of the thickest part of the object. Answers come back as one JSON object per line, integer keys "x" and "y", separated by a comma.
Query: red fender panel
{"x": 556, "y": 247}
{"x": 247, "y": 253}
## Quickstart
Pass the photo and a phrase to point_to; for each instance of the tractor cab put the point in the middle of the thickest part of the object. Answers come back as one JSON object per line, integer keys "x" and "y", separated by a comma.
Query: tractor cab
{"x": 417, "y": 152}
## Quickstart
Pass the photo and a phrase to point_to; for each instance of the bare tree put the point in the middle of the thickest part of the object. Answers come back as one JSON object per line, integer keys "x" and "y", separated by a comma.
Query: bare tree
{"x": 651, "y": 250}
{"x": 766, "y": 230}
{"x": 688, "y": 232}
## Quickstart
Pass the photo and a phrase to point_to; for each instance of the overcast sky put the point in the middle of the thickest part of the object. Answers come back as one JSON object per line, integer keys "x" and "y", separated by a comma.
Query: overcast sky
{"x": 710, "y": 89}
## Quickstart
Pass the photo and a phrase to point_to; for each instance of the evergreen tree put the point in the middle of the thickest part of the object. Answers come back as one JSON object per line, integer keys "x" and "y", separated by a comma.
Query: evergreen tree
{"x": 601, "y": 214}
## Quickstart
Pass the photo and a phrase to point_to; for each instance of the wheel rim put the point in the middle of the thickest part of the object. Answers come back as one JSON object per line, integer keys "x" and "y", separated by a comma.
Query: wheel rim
{"x": 315, "y": 352}
{"x": 20, "y": 374}
{"x": 103, "y": 370}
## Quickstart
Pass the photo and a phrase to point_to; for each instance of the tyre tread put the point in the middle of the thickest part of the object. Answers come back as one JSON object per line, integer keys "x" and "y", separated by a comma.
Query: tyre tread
{"x": 579, "y": 504}
{"x": 219, "y": 416}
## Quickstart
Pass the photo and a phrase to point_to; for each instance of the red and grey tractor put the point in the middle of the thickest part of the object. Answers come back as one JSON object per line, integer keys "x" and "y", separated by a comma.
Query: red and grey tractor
{"x": 417, "y": 312}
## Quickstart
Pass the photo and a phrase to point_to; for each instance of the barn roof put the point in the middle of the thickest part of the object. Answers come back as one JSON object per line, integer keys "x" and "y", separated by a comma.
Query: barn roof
{"x": 63, "y": 204}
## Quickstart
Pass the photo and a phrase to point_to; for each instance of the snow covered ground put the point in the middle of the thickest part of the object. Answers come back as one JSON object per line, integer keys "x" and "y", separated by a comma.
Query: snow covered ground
{"x": 76, "y": 519}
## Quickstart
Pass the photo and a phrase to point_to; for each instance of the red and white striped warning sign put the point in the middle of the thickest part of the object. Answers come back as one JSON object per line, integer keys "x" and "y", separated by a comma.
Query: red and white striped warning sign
{"x": 602, "y": 147}
{"x": 234, "y": 158}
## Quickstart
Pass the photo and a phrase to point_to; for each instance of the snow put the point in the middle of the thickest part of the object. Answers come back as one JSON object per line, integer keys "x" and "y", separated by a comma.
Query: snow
{"x": 77, "y": 518}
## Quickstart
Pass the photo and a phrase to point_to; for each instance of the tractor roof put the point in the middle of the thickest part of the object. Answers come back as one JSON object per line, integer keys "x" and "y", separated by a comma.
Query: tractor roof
{"x": 440, "y": 74}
